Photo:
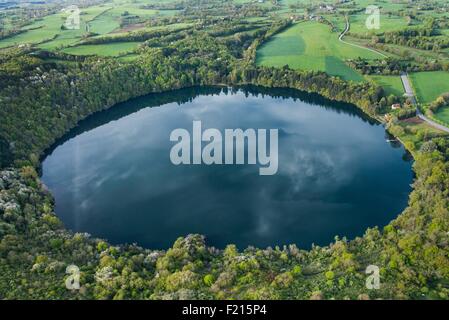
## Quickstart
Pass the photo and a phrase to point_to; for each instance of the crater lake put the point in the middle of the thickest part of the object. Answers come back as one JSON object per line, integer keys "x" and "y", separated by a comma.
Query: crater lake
{"x": 338, "y": 172}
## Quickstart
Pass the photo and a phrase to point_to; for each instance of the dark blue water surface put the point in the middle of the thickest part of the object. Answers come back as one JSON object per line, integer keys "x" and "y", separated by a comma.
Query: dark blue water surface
{"x": 112, "y": 175}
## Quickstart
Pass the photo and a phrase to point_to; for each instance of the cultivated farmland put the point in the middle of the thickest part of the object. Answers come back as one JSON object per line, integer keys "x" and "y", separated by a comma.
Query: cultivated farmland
{"x": 107, "y": 49}
{"x": 429, "y": 85}
{"x": 312, "y": 46}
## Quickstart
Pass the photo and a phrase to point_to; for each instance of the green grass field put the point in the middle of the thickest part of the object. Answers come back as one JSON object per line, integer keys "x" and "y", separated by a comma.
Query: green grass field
{"x": 104, "y": 23}
{"x": 391, "y": 84}
{"x": 430, "y": 85}
{"x": 108, "y": 49}
{"x": 312, "y": 46}
{"x": 387, "y": 23}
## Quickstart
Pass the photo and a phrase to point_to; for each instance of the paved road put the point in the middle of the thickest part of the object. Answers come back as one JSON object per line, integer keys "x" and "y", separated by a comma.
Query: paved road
{"x": 407, "y": 85}
{"x": 408, "y": 88}
{"x": 409, "y": 93}
{"x": 432, "y": 123}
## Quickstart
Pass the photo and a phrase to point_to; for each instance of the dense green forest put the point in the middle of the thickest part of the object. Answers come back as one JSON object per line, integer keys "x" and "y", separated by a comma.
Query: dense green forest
{"x": 43, "y": 95}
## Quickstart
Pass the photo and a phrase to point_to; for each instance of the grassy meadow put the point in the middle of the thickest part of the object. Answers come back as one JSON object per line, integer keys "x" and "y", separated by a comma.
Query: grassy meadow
{"x": 312, "y": 46}
{"x": 387, "y": 23}
{"x": 430, "y": 85}
{"x": 391, "y": 84}
{"x": 107, "y": 49}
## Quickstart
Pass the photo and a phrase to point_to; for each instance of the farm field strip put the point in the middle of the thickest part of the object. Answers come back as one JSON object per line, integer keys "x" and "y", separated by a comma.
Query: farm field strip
{"x": 107, "y": 49}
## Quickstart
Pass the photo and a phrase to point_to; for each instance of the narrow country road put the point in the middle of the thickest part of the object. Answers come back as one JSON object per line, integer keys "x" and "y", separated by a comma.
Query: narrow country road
{"x": 355, "y": 45}
{"x": 409, "y": 93}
